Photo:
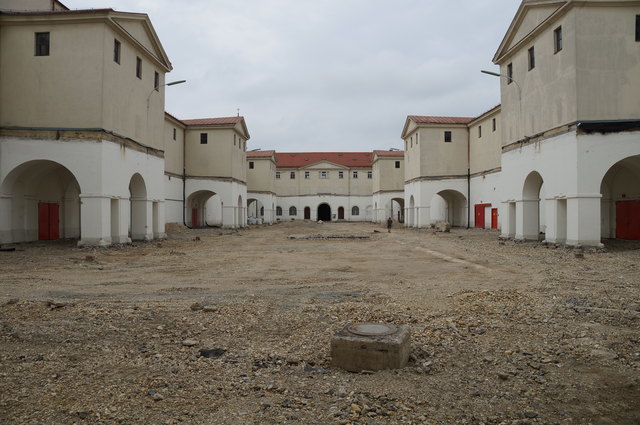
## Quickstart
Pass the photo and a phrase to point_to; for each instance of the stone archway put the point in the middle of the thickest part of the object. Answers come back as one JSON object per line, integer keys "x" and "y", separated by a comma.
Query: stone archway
{"x": 324, "y": 212}
{"x": 139, "y": 211}
{"x": 620, "y": 204}
{"x": 451, "y": 206}
{"x": 397, "y": 209}
{"x": 197, "y": 208}
{"x": 39, "y": 200}
{"x": 531, "y": 228}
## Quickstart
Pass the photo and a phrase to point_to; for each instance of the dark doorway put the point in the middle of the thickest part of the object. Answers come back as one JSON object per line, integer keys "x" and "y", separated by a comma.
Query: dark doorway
{"x": 340, "y": 213}
{"x": 307, "y": 213}
{"x": 324, "y": 212}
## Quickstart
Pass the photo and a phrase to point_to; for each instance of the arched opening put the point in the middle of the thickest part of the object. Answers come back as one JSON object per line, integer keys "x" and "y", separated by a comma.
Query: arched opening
{"x": 412, "y": 212}
{"x": 307, "y": 213}
{"x": 397, "y": 209}
{"x": 620, "y": 205}
{"x": 450, "y": 206}
{"x": 139, "y": 209}
{"x": 293, "y": 211}
{"x": 324, "y": 212}
{"x": 198, "y": 208}
{"x": 39, "y": 200}
{"x": 340, "y": 213}
{"x": 532, "y": 227}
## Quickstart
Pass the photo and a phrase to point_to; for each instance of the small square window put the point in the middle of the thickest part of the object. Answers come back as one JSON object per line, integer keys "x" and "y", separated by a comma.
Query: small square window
{"x": 174, "y": 134}
{"x": 156, "y": 81}
{"x": 307, "y": 175}
{"x": 277, "y": 174}
{"x": 369, "y": 174}
{"x": 447, "y": 136}
{"x": 557, "y": 38}
{"x": 323, "y": 174}
{"x": 340, "y": 174}
{"x": 479, "y": 131}
{"x": 42, "y": 43}
{"x": 493, "y": 124}
{"x": 251, "y": 165}
{"x": 355, "y": 175}
{"x": 203, "y": 138}
{"x": 292, "y": 175}
{"x": 138, "y": 67}
{"x": 397, "y": 164}
{"x": 116, "y": 51}
{"x": 532, "y": 58}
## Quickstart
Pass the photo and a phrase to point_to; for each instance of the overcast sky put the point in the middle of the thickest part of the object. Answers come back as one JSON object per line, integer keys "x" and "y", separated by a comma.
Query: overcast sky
{"x": 328, "y": 75}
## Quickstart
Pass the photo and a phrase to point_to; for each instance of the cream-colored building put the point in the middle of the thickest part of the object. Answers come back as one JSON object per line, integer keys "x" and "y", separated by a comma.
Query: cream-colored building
{"x": 328, "y": 186}
{"x": 559, "y": 160}
{"x": 81, "y": 118}
{"x": 388, "y": 185}
{"x": 86, "y": 150}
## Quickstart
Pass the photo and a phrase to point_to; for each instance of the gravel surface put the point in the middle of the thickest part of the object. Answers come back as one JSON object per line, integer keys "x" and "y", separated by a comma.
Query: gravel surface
{"x": 233, "y": 327}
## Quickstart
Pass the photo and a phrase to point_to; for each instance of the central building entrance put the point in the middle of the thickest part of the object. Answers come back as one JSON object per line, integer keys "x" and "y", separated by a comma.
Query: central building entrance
{"x": 324, "y": 212}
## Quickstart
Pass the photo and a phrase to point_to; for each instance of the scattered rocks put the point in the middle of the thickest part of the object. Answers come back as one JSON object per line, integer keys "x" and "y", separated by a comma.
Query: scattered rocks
{"x": 189, "y": 342}
{"x": 211, "y": 353}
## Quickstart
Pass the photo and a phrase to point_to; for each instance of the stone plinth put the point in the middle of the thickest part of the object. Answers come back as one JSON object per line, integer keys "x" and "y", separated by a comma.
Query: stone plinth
{"x": 370, "y": 346}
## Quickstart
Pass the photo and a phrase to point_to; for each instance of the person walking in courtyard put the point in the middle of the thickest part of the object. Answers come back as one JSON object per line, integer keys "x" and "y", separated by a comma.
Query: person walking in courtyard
{"x": 389, "y": 224}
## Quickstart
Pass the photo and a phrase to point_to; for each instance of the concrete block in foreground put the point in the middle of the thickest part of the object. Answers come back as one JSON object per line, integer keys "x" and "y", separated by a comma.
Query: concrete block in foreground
{"x": 370, "y": 346}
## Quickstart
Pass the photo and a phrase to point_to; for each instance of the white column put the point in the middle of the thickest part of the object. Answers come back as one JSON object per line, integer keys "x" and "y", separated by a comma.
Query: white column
{"x": 141, "y": 216}
{"x": 95, "y": 220}
{"x": 5, "y": 219}
{"x": 159, "y": 220}
{"x": 527, "y": 219}
{"x": 120, "y": 211}
{"x": 583, "y": 219}
{"x": 228, "y": 216}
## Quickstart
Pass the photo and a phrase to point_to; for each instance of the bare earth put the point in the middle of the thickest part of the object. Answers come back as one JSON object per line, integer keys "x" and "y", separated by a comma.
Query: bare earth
{"x": 502, "y": 332}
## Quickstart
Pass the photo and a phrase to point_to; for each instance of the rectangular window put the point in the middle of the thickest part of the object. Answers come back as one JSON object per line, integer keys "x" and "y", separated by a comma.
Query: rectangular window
{"x": 509, "y": 73}
{"x": 174, "y": 134}
{"x": 251, "y": 165}
{"x": 42, "y": 44}
{"x": 203, "y": 138}
{"x": 397, "y": 164}
{"x": 324, "y": 174}
{"x": 532, "y": 58}
{"x": 637, "y": 27}
{"x": 355, "y": 174}
{"x": 307, "y": 175}
{"x": 292, "y": 175}
{"x": 138, "y": 67}
{"x": 447, "y": 136}
{"x": 493, "y": 124}
{"x": 116, "y": 51}
{"x": 156, "y": 81}
{"x": 557, "y": 39}
{"x": 369, "y": 174}
{"x": 277, "y": 174}
{"x": 479, "y": 131}
{"x": 340, "y": 174}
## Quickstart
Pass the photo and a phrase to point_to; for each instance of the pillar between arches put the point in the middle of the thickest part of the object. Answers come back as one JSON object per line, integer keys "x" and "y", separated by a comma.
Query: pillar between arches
{"x": 95, "y": 220}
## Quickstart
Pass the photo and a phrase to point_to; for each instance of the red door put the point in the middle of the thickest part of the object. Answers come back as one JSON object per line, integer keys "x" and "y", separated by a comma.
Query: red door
{"x": 628, "y": 220}
{"x": 479, "y": 214}
{"x": 307, "y": 213}
{"x": 194, "y": 217}
{"x": 48, "y": 221}
{"x": 494, "y": 218}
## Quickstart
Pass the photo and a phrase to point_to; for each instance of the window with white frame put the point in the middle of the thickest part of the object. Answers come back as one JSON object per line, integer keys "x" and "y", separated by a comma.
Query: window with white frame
{"x": 355, "y": 175}
{"x": 278, "y": 175}
{"x": 369, "y": 174}
{"x": 292, "y": 175}
{"x": 340, "y": 174}
{"x": 307, "y": 175}
{"x": 323, "y": 174}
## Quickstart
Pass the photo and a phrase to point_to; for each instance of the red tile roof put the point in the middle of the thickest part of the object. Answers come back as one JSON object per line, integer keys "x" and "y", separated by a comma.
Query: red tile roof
{"x": 395, "y": 154}
{"x": 304, "y": 159}
{"x": 214, "y": 121}
{"x": 260, "y": 154}
{"x": 418, "y": 119}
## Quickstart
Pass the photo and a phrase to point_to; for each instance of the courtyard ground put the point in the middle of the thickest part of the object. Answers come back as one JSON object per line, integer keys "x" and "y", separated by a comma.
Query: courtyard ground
{"x": 502, "y": 332}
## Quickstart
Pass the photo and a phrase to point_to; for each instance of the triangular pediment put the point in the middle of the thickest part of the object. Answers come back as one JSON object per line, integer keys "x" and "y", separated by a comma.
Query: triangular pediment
{"x": 531, "y": 15}
{"x": 139, "y": 28}
{"x": 409, "y": 127}
{"x": 324, "y": 165}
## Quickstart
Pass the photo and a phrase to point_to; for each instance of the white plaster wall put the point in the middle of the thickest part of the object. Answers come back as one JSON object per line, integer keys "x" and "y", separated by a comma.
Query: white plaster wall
{"x": 266, "y": 200}
{"x": 103, "y": 170}
{"x": 173, "y": 199}
{"x": 486, "y": 190}
{"x": 382, "y": 206}
{"x": 430, "y": 208}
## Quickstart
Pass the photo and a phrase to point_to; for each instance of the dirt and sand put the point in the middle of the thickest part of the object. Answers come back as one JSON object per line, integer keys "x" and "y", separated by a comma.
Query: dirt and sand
{"x": 223, "y": 327}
